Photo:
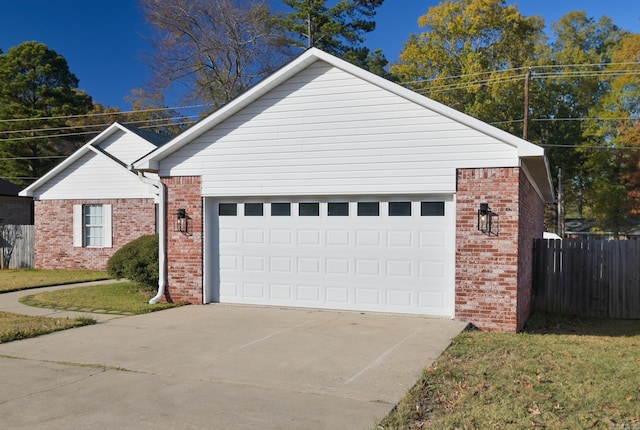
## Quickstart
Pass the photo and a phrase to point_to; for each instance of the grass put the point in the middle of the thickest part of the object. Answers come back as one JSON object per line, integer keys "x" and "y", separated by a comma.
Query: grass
{"x": 16, "y": 327}
{"x": 124, "y": 298}
{"x": 16, "y": 280}
{"x": 560, "y": 373}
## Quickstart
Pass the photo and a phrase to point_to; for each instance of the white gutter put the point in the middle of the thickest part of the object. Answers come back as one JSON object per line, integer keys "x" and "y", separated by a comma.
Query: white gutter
{"x": 162, "y": 263}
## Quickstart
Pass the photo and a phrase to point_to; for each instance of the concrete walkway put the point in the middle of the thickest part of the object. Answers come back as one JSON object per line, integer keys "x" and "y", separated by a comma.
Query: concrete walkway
{"x": 217, "y": 367}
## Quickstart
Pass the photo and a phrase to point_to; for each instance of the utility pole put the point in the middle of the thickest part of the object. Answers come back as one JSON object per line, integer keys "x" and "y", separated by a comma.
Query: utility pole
{"x": 525, "y": 126}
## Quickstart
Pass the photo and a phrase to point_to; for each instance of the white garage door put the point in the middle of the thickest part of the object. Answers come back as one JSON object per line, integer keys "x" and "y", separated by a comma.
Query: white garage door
{"x": 368, "y": 254}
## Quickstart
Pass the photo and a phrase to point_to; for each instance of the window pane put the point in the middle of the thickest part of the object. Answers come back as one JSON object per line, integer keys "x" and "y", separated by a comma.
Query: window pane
{"x": 227, "y": 209}
{"x": 280, "y": 209}
{"x": 368, "y": 208}
{"x": 93, "y": 236}
{"x": 309, "y": 209}
{"x": 93, "y": 232}
{"x": 432, "y": 209}
{"x": 399, "y": 208}
{"x": 253, "y": 209}
{"x": 338, "y": 209}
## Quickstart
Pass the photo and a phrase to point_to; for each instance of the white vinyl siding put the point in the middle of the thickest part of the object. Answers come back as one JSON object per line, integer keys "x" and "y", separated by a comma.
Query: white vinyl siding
{"x": 126, "y": 147}
{"x": 92, "y": 226}
{"x": 325, "y": 131}
{"x": 94, "y": 176}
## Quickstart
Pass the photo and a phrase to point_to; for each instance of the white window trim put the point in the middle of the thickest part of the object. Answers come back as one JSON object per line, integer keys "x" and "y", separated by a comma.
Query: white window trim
{"x": 78, "y": 227}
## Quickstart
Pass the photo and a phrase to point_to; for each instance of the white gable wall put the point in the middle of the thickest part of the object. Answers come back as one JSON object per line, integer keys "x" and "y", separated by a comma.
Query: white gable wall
{"x": 325, "y": 131}
{"x": 94, "y": 176}
{"x": 126, "y": 147}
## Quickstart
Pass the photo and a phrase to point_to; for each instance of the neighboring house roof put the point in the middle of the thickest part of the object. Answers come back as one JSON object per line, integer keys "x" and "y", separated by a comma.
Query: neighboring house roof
{"x": 123, "y": 156}
{"x": 9, "y": 189}
{"x": 532, "y": 158}
{"x": 150, "y": 136}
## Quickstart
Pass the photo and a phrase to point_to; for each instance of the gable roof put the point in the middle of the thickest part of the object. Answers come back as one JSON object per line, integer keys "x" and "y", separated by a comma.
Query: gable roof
{"x": 530, "y": 154}
{"x": 93, "y": 146}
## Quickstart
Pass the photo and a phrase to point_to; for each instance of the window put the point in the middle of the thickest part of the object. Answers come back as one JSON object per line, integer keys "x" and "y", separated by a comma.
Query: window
{"x": 309, "y": 209}
{"x": 227, "y": 209}
{"x": 253, "y": 209}
{"x": 92, "y": 226}
{"x": 93, "y": 230}
{"x": 368, "y": 208}
{"x": 399, "y": 208}
{"x": 280, "y": 209}
{"x": 338, "y": 209}
{"x": 432, "y": 208}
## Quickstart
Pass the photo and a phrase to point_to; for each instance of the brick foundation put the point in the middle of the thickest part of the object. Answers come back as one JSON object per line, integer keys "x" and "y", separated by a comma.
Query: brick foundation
{"x": 493, "y": 274}
{"x": 184, "y": 251}
{"x": 131, "y": 218}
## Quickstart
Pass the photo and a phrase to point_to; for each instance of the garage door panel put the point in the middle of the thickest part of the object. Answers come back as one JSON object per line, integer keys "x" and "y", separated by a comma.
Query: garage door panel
{"x": 369, "y": 263}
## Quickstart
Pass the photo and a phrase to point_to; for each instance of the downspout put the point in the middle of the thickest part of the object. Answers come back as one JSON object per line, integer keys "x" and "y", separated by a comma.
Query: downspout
{"x": 162, "y": 239}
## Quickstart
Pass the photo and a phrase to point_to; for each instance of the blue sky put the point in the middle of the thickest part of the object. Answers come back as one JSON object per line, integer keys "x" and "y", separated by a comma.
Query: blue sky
{"x": 103, "y": 41}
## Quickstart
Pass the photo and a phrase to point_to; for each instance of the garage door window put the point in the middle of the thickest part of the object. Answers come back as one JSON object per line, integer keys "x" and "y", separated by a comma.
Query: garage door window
{"x": 399, "y": 208}
{"x": 338, "y": 209}
{"x": 228, "y": 209}
{"x": 253, "y": 209}
{"x": 280, "y": 209}
{"x": 432, "y": 208}
{"x": 309, "y": 209}
{"x": 368, "y": 208}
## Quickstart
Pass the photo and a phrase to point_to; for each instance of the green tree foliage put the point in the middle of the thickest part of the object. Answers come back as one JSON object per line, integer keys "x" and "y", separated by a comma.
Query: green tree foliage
{"x": 613, "y": 171}
{"x": 474, "y": 55}
{"x": 462, "y": 57}
{"x": 137, "y": 261}
{"x": 562, "y": 96}
{"x": 214, "y": 49}
{"x": 337, "y": 28}
{"x": 35, "y": 85}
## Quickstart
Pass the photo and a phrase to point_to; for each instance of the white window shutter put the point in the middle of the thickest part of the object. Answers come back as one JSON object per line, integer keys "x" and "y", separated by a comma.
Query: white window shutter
{"x": 107, "y": 228}
{"x": 77, "y": 226}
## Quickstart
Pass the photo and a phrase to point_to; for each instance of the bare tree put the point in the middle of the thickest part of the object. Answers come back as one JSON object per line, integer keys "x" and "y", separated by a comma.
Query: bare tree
{"x": 216, "y": 49}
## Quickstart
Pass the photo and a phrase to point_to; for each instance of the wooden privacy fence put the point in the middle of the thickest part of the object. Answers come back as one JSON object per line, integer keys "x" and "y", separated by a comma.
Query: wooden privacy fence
{"x": 592, "y": 278}
{"x": 16, "y": 246}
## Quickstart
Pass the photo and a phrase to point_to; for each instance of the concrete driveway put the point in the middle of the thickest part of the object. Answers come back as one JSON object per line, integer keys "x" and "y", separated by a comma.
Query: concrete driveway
{"x": 219, "y": 367}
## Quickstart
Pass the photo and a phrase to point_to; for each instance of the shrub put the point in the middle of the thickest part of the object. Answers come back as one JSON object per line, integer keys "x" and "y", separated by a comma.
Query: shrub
{"x": 137, "y": 261}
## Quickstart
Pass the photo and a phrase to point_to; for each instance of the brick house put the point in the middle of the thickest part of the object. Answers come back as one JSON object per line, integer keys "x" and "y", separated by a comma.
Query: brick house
{"x": 92, "y": 204}
{"x": 326, "y": 186}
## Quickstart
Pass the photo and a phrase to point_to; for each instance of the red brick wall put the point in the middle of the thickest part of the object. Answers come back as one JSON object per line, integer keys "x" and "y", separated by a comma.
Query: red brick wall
{"x": 131, "y": 218}
{"x": 487, "y": 266}
{"x": 184, "y": 251}
{"x": 531, "y": 226}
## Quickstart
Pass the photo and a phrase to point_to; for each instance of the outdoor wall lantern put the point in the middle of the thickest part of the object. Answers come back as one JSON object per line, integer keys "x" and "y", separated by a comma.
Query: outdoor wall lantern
{"x": 182, "y": 221}
{"x": 488, "y": 221}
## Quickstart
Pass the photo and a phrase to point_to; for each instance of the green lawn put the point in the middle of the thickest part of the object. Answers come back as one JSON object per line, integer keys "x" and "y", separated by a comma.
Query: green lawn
{"x": 16, "y": 327}
{"x": 561, "y": 373}
{"x": 123, "y": 297}
{"x": 16, "y": 280}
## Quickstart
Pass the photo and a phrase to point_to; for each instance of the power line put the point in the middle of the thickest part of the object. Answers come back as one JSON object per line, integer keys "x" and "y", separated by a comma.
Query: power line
{"x": 90, "y": 115}
{"x": 84, "y": 133}
{"x": 622, "y": 148}
{"x": 517, "y": 69}
{"x": 34, "y": 158}
{"x": 75, "y": 127}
